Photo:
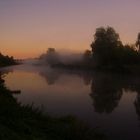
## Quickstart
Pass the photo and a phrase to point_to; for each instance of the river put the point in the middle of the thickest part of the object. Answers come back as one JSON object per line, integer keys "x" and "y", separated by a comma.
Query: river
{"x": 110, "y": 102}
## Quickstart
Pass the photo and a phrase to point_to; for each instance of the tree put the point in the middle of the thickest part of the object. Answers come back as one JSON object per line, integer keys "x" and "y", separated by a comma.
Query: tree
{"x": 106, "y": 41}
{"x": 6, "y": 60}
{"x": 87, "y": 55}
{"x": 138, "y": 42}
{"x": 51, "y": 57}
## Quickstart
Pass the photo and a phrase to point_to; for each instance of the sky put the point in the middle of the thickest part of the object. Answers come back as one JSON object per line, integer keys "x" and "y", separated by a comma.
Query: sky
{"x": 29, "y": 27}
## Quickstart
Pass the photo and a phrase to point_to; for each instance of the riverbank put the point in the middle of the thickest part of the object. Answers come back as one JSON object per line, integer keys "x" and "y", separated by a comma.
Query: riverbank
{"x": 120, "y": 69}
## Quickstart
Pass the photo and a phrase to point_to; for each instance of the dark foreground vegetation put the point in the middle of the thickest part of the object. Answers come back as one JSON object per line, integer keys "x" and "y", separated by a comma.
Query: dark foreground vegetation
{"x": 6, "y": 60}
{"x": 107, "y": 53}
{"x": 18, "y": 122}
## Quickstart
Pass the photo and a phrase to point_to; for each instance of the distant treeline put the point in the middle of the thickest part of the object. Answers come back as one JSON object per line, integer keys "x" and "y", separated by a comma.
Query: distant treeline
{"x": 6, "y": 60}
{"x": 106, "y": 51}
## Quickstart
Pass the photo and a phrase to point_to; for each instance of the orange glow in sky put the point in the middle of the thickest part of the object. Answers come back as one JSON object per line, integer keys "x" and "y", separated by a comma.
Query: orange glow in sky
{"x": 29, "y": 27}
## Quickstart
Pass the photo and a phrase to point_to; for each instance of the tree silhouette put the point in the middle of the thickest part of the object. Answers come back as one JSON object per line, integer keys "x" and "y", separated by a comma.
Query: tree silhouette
{"x": 51, "y": 57}
{"x": 87, "y": 55}
{"x": 138, "y": 42}
{"x": 106, "y": 40}
{"x": 6, "y": 60}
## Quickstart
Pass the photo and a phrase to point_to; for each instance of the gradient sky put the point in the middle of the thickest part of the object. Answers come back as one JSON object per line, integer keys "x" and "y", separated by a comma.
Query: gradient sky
{"x": 29, "y": 27}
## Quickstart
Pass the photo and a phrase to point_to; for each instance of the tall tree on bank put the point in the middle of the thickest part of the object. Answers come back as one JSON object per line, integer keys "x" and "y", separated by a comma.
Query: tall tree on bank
{"x": 138, "y": 42}
{"x": 106, "y": 41}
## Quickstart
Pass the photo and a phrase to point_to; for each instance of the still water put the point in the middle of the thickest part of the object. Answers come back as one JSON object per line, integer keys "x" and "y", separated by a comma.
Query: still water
{"x": 107, "y": 101}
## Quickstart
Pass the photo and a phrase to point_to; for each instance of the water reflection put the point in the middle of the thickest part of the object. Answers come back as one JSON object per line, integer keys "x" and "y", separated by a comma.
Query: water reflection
{"x": 105, "y": 93}
{"x": 137, "y": 105}
{"x": 106, "y": 89}
{"x": 51, "y": 77}
{"x": 103, "y": 99}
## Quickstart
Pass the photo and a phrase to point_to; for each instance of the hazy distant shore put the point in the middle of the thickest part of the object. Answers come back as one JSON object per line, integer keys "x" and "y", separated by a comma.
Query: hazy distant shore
{"x": 127, "y": 69}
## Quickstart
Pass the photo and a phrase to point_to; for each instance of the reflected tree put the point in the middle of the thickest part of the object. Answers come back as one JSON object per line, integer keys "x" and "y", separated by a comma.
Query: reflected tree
{"x": 137, "y": 105}
{"x": 105, "y": 93}
{"x": 87, "y": 79}
{"x": 137, "y": 102}
{"x": 50, "y": 76}
{"x": 107, "y": 90}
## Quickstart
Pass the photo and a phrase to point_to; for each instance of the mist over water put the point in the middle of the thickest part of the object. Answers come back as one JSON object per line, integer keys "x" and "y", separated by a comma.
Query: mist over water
{"x": 66, "y": 57}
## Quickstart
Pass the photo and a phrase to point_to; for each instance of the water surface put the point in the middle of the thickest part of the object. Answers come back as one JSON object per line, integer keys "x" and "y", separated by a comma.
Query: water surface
{"x": 110, "y": 102}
